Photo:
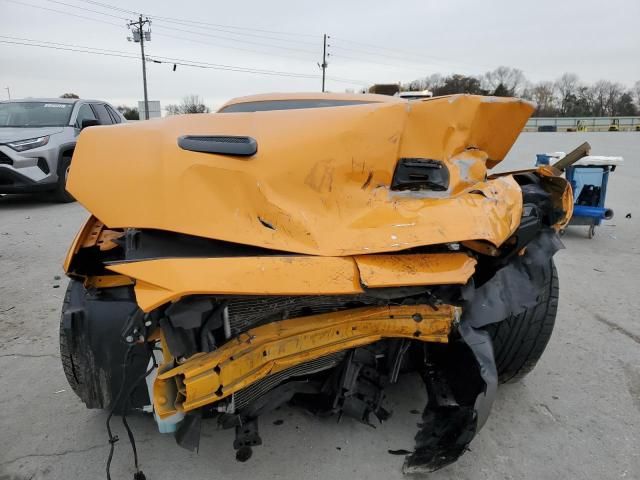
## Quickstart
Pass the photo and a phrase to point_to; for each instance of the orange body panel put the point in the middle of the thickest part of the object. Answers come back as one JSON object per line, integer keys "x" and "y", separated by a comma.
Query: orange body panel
{"x": 320, "y": 182}
{"x": 415, "y": 269}
{"x": 165, "y": 280}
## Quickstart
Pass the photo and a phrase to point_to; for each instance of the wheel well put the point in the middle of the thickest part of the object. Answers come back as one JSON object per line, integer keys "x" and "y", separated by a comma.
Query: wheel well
{"x": 65, "y": 153}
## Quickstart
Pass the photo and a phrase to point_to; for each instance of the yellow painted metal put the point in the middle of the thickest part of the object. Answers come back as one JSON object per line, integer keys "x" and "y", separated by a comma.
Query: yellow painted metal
{"x": 415, "y": 269}
{"x": 92, "y": 233}
{"x": 268, "y": 349}
{"x": 320, "y": 181}
{"x": 166, "y": 280}
{"x": 357, "y": 97}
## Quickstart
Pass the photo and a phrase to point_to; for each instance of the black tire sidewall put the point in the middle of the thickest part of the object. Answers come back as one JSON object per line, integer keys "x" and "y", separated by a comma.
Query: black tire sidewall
{"x": 60, "y": 194}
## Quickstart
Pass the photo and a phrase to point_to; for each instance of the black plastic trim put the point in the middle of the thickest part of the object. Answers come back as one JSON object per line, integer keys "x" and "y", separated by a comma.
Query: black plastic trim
{"x": 20, "y": 183}
{"x": 222, "y": 144}
{"x": 420, "y": 174}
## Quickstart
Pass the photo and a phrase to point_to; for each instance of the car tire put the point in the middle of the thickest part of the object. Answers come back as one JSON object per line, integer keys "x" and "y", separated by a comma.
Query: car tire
{"x": 520, "y": 340}
{"x": 60, "y": 193}
{"x": 85, "y": 379}
{"x": 92, "y": 352}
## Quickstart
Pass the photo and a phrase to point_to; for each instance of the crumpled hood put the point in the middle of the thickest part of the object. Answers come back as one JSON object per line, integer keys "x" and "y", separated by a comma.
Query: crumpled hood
{"x": 319, "y": 182}
{"x": 13, "y": 134}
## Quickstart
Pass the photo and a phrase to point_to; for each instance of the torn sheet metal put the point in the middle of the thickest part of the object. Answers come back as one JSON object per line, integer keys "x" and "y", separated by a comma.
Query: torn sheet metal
{"x": 512, "y": 289}
{"x": 415, "y": 269}
{"x": 165, "y": 280}
{"x": 320, "y": 181}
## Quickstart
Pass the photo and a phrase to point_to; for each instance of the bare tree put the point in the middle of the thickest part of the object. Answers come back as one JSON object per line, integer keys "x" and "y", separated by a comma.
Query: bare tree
{"x": 599, "y": 97}
{"x": 190, "y": 104}
{"x": 613, "y": 93}
{"x": 567, "y": 85}
{"x": 544, "y": 94}
{"x": 69, "y": 95}
{"x": 507, "y": 79}
{"x": 431, "y": 82}
{"x": 567, "y": 96}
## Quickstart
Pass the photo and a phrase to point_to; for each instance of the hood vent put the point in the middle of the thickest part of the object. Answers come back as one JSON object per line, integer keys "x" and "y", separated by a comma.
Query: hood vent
{"x": 223, "y": 145}
{"x": 420, "y": 174}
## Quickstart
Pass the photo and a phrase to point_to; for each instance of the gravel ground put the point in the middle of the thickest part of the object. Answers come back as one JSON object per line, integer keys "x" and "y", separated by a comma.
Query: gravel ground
{"x": 576, "y": 416}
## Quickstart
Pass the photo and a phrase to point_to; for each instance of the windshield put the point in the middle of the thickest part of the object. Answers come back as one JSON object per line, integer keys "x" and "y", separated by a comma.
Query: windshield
{"x": 262, "y": 106}
{"x": 35, "y": 114}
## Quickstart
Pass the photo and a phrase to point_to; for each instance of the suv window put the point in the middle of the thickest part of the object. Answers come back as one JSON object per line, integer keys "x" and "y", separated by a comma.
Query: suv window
{"x": 116, "y": 118}
{"x": 85, "y": 113}
{"x": 35, "y": 114}
{"x": 102, "y": 113}
{"x": 263, "y": 106}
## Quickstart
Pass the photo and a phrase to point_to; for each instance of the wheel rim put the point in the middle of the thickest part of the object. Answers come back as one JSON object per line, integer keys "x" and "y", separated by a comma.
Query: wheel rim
{"x": 66, "y": 176}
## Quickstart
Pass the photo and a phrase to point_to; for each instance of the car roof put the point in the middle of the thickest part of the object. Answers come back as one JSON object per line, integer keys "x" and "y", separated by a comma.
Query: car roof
{"x": 361, "y": 97}
{"x": 52, "y": 100}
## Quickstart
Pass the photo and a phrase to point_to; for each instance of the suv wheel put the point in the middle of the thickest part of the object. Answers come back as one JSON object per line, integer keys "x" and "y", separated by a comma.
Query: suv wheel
{"x": 60, "y": 193}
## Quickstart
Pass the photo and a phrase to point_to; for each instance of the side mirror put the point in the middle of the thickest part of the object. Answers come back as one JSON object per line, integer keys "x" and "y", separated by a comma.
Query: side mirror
{"x": 87, "y": 122}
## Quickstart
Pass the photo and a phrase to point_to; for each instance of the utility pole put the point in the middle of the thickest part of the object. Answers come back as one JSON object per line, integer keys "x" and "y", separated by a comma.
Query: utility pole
{"x": 139, "y": 36}
{"x": 324, "y": 59}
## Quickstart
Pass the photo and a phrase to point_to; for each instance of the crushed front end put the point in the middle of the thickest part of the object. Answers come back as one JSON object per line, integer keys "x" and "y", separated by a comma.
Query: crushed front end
{"x": 343, "y": 248}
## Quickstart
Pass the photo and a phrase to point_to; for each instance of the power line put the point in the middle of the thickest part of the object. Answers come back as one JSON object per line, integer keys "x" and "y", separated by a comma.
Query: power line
{"x": 197, "y": 22}
{"x": 57, "y": 47}
{"x": 67, "y": 45}
{"x": 405, "y": 56}
{"x": 208, "y": 28}
{"x": 111, "y": 7}
{"x": 217, "y": 45}
{"x": 249, "y": 42}
{"x": 182, "y": 23}
{"x": 87, "y": 9}
{"x": 65, "y": 13}
{"x": 173, "y": 60}
{"x": 172, "y": 28}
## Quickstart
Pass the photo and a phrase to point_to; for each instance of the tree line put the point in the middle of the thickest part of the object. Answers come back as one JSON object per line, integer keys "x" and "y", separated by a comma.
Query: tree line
{"x": 567, "y": 96}
{"x": 189, "y": 104}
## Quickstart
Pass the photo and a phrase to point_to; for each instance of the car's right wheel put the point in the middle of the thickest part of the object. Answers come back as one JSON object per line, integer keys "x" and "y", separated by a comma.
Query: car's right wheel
{"x": 60, "y": 193}
{"x": 520, "y": 340}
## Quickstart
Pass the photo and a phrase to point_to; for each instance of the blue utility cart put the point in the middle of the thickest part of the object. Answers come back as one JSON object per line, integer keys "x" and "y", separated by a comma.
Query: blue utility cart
{"x": 589, "y": 177}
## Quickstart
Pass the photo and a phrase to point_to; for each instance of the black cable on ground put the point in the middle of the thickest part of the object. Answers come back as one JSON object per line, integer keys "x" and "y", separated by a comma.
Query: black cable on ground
{"x": 114, "y": 438}
{"x": 138, "y": 475}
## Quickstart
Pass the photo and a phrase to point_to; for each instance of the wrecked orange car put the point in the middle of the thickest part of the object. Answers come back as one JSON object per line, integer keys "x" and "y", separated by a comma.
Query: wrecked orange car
{"x": 310, "y": 249}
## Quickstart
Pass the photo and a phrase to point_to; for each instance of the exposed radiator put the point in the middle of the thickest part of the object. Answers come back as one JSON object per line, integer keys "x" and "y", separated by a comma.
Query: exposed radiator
{"x": 245, "y": 396}
{"x": 251, "y": 311}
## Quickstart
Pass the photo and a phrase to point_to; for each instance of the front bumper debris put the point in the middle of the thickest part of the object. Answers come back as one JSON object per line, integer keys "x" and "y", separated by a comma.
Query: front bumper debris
{"x": 268, "y": 349}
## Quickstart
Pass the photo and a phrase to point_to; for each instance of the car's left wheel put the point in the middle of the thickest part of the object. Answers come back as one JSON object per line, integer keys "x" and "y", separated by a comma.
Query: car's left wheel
{"x": 92, "y": 352}
{"x": 60, "y": 193}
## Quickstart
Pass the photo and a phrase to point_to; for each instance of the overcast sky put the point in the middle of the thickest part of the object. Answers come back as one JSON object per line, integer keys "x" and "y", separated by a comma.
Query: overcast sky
{"x": 371, "y": 42}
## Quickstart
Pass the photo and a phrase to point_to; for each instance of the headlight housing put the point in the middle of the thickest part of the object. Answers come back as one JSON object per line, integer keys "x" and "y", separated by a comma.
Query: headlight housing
{"x": 22, "y": 145}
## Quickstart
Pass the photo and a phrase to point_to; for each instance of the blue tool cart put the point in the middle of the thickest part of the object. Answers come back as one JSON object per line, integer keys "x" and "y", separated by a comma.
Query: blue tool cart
{"x": 589, "y": 177}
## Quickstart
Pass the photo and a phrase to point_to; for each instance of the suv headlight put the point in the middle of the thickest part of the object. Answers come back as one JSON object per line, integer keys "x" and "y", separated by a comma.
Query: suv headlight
{"x": 22, "y": 145}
